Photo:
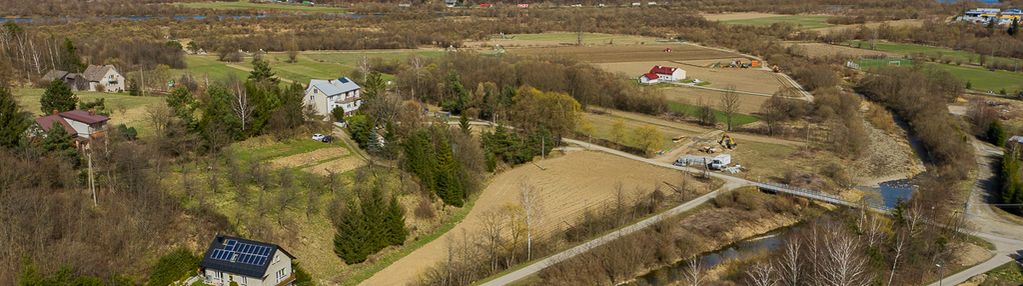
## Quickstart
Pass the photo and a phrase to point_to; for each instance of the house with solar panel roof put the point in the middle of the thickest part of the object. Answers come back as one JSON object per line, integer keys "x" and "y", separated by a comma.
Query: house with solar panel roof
{"x": 246, "y": 262}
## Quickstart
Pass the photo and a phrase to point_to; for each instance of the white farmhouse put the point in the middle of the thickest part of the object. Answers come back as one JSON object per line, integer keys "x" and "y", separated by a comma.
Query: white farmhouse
{"x": 325, "y": 95}
{"x": 246, "y": 262}
{"x": 104, "y": 78}
{"x": 659, "y": 74}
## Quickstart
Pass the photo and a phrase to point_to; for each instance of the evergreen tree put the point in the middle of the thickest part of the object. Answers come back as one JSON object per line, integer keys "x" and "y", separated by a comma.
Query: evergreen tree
{"x": 183, "y": 105}
{"x": 373, "y": 86}
{"x": 449, "y": 188}
{"x": 457, "y": 95}
{"x": 420, "y": 159}
{"x": 58, "y": 96}
{"x": 261, "y": 71}
{"x": 69, "y": 54}
{"x": 1014, "y": 28}
{"x": 996, "y": 133}
{"x": 133, "y": 88}
{"x": 12, "y": 122}
{"x": 60, "y": 143}
{"x": 349, "y": 241}
{"x": 373, "y": 215}
{"x": 463, "y": 123}
{"x": 395, "y": 222}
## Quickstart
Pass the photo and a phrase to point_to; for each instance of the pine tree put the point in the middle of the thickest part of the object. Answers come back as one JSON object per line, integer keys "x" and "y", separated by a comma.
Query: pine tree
{"x": 133, "y": 88}
{"x": 463, "y": 123}
{"x": 373, "y": 218}
{"x": 396, "y": 223}
{"x": 183, "y": 104}
{"x": 373, "y": 86}
{"x": 60, "y": 143}
{"x": 420, "y": 159}
{"x": 12, "y": 122}
{"x": 58, "y": 96}
{"x": 71, "y": 61}
{"x": 449, "y": 188}
{"x": 349, "y": 242}
{"x": 261, "y": 71}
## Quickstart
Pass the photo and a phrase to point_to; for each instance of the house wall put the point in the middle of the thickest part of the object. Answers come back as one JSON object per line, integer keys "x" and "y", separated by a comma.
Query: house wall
{"x": 280, "y": 265}
{"x": 113, "y": 81}
{"x": 324, "y": 104}
{"x": 219, "y": 278}
{"x": 83, "y": 130}
{"x": 316, "y": 98}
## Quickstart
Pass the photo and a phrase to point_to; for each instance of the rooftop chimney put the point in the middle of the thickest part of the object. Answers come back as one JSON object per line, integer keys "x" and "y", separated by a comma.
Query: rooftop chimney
{"x": 55, "y": 112}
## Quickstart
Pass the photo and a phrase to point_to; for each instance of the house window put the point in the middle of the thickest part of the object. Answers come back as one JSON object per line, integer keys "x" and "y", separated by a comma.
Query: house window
{"x": 280, "y": 275}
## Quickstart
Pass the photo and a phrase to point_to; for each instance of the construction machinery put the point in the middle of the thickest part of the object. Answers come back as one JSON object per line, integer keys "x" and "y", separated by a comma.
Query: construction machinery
{"x": 727, "y": 142}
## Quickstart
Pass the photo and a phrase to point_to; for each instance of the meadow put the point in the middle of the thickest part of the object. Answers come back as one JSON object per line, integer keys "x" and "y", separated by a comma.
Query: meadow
{"x": 123, "y": 108}
{"x": 738, "y": 119}
{"x": 979, "y": 79}
{"x": 803, "y": 21}
{"x": 309, "y": 65}
{"x": 937, "y": 52}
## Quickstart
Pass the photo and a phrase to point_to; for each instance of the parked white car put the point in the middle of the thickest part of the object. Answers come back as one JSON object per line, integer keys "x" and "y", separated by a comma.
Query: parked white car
{"x": 318, "y": 137}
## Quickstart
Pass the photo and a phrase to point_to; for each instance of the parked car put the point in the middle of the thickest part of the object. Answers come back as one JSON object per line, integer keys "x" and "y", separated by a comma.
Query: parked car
{"x": 327, "y": 139}
{"x": 318, "y": 137}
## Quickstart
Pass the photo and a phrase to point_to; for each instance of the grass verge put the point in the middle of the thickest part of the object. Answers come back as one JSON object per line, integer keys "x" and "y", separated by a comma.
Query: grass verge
{"x": 738, "y": 119}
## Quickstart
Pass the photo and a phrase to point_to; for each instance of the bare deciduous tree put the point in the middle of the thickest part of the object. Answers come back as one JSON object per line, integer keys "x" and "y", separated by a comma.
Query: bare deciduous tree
{"x": 761, "y": 274}
{"x": 729, "y": 105}
{"x": 694, "y": 271}
{"x": 790, "y": 265}
{"x": 532, "y": 213}
{"x": 898, "y": 247}
{"x": 241, "y": 105}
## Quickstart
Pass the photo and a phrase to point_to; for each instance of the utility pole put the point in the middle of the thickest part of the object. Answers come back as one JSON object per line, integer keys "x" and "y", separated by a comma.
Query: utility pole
{"x": 543, "y": 147}
{"x": 142, "y": 84}
{"x": 92, "y": 180}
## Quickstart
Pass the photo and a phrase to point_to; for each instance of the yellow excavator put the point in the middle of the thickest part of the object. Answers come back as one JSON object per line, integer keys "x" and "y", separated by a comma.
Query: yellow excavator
{"x": 727, "y": 142}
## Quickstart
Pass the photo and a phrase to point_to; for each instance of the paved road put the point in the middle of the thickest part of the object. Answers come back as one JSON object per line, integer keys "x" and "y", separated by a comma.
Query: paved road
{"x": 989, "y": 225}
{"x": 583, "y": 248}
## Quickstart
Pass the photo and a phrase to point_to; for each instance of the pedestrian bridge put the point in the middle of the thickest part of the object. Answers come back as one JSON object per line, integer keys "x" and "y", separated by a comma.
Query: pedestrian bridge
{"x": 819, "y": 196}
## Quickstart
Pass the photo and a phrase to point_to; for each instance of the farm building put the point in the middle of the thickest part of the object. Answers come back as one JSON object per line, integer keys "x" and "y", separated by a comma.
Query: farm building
{"x": 326, "y": 95}
{"x": 238, "y": 261}
{"x": 84, "y": 125}
{"x": 663, "y": 74}
{"x": 95, "y": 78}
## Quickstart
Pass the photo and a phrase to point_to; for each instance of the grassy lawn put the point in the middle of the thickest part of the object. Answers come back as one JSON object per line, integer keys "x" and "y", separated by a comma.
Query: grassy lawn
{"x": 804, "y": 21}
{"x": 738, "y": 119}
{"x": 588, "y": 38}
{"x": 134, "y": 106}
{"x": 246, "y": 5}
{"x": 911, "y": 49}
{"x": 980, "y": 79}
{"x": 310, "y": 65}
{"x": 1008, "y": 274}
{"x": 262, "y": 150}
{"x": 201, "y": 67}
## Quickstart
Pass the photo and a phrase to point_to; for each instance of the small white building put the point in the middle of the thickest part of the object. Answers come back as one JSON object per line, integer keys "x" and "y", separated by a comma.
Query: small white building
{"x": 659, "y": 74}
{"x": 84, "y": 125}
{"x": 246, "y": 262}
{"x": 325, "y": 95}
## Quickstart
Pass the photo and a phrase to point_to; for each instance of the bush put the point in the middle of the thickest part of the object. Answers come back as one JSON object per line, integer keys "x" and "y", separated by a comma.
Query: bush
{"x": 173, "y": 267}
{"x": 996, "y": 133}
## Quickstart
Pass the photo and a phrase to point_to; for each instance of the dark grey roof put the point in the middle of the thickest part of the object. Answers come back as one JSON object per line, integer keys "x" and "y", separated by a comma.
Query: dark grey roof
{"x": 96, "y": 73}
{"x": 233, "y": 265}
{"x": 54, "y": 75}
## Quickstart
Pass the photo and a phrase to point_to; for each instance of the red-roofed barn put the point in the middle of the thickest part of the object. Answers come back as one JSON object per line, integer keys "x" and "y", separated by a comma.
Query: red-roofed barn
{"x": 662, "y": 74}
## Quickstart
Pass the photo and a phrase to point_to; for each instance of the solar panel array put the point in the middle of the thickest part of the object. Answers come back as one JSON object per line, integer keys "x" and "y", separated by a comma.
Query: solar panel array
{"x": 242, "y": 252}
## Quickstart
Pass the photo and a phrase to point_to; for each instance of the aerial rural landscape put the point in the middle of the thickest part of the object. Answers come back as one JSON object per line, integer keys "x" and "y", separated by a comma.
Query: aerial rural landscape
{"x": 455, "y": 142}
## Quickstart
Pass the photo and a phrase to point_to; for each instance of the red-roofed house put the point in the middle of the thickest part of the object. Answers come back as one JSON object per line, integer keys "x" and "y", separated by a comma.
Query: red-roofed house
{"x": 83, "y": 124}
{"x": 662, "y": 73}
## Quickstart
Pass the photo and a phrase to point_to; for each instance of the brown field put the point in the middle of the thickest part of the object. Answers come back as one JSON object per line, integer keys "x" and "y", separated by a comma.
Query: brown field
{"x": 616, "y": 54}
{"x": 584, "y": 179}
{"x": 337, "y": 166}
{"x": 309, "y": 157}
{"x": 895, "y": 23}
{"x": 748, "y": 104}
{"x": 749, "y": 80}
{"x": 825, "y": 50}
{"x": 602, "y": 124}
{"x": 737, "y": 16}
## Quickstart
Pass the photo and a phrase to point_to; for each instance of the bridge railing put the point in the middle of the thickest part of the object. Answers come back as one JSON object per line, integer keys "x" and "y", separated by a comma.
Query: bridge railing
{"x": 818, "y": 195}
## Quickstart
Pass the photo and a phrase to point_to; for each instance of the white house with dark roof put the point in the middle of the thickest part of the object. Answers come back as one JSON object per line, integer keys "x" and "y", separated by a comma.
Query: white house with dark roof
{"x": 325, "y": 95}
{"x": 246, "y": 262}
{"x": 104, "y": 78}
{"x": 85, "y": 125}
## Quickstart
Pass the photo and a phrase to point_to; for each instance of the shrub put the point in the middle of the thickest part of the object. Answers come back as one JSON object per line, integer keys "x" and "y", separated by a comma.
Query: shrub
{"x": 172, "y": 267}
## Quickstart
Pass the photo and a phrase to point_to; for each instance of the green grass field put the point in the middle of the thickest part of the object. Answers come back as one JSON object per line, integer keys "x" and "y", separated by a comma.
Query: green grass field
{"x": 245, "y": 5}
{"x": 938, "y": 52}
{"x": 980, "y": 79}
{"x": 738, "y": 119}
{"x": 321, "y": 65}
{"x": 803, "y": 21}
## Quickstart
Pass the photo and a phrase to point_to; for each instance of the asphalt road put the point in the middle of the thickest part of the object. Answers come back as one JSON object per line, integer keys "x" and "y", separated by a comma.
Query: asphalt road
{"x": 1003, "y": 234}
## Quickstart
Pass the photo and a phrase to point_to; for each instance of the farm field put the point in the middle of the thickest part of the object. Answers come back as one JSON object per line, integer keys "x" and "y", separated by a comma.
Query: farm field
{"x": 245, "y": 5}
{"x": 803, "y": 21}
{"x": 720, "y": 116}
{"x": 748, "y": 104}
{"x": 749, "y": 80}
{"x": 618, "y": 54}
{"x": 318, "y": 64}
{"x": 583, "y": 178}
{"x": 737, "y": 16}
{"x": 818, "y": 50}
{"x": 892, "y": 23}
{"x": 134, "y": 107}
{"x": 939, "y": 52}
{"x": 602, "y": 124}
{"x": 561, "y": 38}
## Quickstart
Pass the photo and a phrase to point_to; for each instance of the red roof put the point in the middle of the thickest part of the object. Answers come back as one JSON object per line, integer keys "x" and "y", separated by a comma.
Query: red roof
{"x": 650, "y": 76}
{"x": 84, "y": 116}
{"x": 46, "y": 122}
{"x": 662, "y": 70}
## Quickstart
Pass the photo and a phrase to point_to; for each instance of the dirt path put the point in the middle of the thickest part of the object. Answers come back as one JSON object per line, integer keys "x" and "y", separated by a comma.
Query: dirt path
{"x": 701, "y": 130}
{"x": 567, "y": 185}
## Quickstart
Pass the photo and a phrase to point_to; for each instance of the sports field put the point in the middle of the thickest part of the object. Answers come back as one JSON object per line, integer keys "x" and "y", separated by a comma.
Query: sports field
{"x": 246, "y": 5}
{"x": 803, "y": 21}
